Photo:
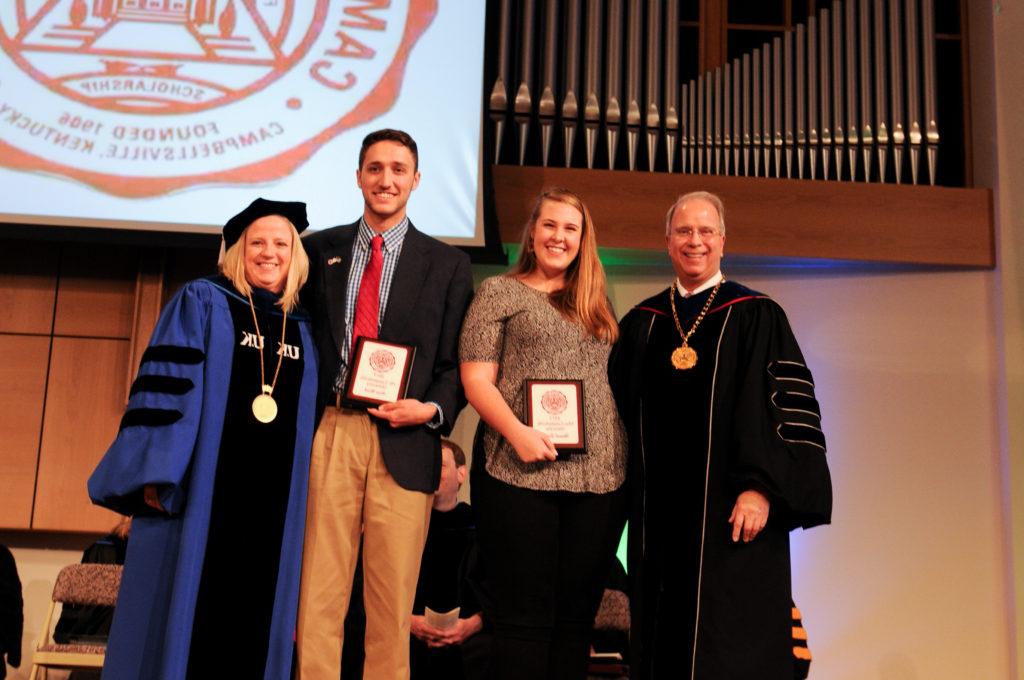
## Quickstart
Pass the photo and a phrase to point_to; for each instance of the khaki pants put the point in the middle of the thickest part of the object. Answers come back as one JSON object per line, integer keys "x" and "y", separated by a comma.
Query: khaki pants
{"x": 350, "y": 490}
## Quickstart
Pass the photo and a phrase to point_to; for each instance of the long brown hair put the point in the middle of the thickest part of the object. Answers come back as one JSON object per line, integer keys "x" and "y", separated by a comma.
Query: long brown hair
{"x": 584, "y": 297}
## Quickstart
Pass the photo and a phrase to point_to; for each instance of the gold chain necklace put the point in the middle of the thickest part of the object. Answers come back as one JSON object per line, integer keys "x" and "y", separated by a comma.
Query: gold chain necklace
{"x": 684, "y": 356}
{"x": 263, "y": 406}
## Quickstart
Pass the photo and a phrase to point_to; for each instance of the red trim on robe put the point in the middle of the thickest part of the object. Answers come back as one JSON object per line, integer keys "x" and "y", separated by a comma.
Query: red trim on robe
{"x": 716, "y": 309}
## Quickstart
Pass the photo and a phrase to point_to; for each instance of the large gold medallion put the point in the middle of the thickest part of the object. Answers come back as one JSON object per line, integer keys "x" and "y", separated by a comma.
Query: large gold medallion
{"x": 684, "y": 357}
{"x": 264, "y": 407}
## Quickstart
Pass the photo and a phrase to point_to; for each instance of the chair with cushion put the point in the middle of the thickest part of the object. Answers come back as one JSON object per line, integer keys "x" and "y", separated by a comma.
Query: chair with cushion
{"x": 611, "y": 637}
{"x": 79, "y": 584}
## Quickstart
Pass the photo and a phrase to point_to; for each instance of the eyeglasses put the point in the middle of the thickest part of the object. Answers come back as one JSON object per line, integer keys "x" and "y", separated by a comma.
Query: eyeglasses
{"x": 686, "y": 233}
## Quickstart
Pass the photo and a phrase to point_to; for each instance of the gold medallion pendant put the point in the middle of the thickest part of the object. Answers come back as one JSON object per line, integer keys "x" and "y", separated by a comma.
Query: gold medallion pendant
{"x": 264, "y": 407}
{"x": 684, "y": 357}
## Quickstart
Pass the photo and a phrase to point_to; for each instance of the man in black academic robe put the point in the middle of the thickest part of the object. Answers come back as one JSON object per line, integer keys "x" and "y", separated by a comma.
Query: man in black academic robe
{"x": 727, "y": 456}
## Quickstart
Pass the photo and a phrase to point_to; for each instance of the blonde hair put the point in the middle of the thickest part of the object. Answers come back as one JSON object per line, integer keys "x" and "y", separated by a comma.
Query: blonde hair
{"x": 233, "y": 267}
{"x": 584, "y": 297}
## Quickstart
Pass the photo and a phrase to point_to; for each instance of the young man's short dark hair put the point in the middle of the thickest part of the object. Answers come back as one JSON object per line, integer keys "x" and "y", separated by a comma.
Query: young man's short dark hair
{"x": 457, "y": 453}
{"x": 390, "y": 135}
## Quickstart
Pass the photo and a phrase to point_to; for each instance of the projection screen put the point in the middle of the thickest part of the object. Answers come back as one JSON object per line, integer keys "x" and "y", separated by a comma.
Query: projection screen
{"x": 174, "y": 114}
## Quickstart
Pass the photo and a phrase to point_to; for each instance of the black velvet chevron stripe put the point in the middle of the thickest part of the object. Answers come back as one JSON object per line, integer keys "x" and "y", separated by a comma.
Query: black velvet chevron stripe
{"x": 795, "y": 401}
{"x": 799, "y": 433}
{"x": 151, "y": 417}
{"x": 164, "y": 384}
{"x": 785, "y": 370}
{"x": 175, "y": 354}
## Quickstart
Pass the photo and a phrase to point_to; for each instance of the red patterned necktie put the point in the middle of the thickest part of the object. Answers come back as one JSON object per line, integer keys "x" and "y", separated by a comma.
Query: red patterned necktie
{"x": 368, "y": 302}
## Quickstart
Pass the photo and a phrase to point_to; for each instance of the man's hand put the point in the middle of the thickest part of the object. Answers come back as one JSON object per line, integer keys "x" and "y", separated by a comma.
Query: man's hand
{"x": 404, "y": 412}
{"x": 422, "y": 630}
{"x": 460, "y": 632}
{"x": 456, "y": 635}
{"x": 749, "y": 515}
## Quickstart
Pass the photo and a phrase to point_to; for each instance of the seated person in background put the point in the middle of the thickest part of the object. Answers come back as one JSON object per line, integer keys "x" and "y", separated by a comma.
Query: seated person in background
{"x": 435, "y": 651}
{"x": 90, "y": 624}
{"x": 11, "y": 617}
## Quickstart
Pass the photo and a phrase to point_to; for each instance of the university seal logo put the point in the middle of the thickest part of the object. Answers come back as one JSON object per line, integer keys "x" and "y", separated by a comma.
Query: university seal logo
{"x": 382, "y": 360}
{"x": 554, "y": 402}
{"x": 142, "y": 97}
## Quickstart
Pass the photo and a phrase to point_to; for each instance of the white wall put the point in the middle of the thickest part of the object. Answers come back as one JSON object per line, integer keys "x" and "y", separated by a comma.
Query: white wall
{"x": 1002, "y": 138}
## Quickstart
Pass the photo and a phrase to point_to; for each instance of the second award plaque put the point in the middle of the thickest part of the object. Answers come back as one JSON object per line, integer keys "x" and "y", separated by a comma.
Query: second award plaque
{"x": 555, "y": 407}
{"x": 380, "y": 372}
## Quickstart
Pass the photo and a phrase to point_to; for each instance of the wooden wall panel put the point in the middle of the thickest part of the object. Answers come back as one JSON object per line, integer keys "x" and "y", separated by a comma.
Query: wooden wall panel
{"x": 772, "y": 217}
{"x": 96, "y": 294}
{"x": 22, "y": 391}
{"x": 85, "y": 400}
{"x": 184, "y": 265}
{"x": 148, "y": 298}
{"x": 28, "y": 284}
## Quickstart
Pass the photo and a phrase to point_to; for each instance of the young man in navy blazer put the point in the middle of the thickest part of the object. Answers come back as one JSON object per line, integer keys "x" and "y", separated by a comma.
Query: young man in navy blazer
{"x": 374, "y": 470}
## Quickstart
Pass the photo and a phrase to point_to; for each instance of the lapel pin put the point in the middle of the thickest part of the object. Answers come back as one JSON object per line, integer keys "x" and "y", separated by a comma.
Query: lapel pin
{"x": 334, "y": 260}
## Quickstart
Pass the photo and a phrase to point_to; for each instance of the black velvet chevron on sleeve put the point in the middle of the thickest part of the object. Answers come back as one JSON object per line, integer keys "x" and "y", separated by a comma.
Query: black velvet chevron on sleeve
{"x": 175, "y": 354}
{"x": 149, "y": 417}
{"x": 790, "y": 370}
{"x": 796, "y": 401}
{"x": 164, "y": 384}
{"x": 794, "y": 397}
{"x": 799, "y": 433}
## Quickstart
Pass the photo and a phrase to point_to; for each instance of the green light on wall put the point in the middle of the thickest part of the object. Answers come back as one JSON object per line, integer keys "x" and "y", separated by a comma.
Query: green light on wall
{"x": 621, "y": 552}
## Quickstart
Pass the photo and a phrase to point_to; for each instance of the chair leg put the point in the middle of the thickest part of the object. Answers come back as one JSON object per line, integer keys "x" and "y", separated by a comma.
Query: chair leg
{"x": 32, "y": 675}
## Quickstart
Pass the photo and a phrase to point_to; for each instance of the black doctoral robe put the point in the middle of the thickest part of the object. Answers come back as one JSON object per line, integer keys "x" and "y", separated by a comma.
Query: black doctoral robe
{"x": 745, "y": 417}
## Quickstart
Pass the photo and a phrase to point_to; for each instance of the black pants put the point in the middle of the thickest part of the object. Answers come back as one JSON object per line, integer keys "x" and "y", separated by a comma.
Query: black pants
{"x": 546, "y": 556}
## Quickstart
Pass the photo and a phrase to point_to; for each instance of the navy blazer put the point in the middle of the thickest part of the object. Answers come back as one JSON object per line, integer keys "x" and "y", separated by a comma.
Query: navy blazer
{"x": 430, "y": 293}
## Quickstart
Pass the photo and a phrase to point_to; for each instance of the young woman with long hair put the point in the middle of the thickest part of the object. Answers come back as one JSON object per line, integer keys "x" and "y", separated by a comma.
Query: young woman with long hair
{"x": 548, "y": 518}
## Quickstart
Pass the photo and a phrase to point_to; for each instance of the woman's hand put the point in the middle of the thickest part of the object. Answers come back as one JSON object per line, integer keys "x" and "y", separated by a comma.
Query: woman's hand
{"x": 151, "y": 497}
{"x": 532, "y": 446}
{"x": 480, "y": 378}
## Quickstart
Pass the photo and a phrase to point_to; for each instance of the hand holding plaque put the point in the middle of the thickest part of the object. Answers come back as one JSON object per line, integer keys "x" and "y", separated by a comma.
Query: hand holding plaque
{"x": 380, "y": 372}
{"x": 555, "y": 407}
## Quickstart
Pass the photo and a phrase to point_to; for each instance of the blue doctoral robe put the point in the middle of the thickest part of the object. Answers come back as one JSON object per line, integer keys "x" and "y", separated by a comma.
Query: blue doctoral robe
{"x": 171, "y": 437}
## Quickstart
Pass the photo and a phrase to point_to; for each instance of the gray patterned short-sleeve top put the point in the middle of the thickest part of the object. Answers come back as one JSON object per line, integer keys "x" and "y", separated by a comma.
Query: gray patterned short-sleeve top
{"x": 516, "y": 327}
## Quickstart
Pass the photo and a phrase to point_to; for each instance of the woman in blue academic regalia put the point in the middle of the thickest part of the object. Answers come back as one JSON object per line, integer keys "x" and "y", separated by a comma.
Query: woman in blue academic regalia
{"x": 212, "y": 459}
